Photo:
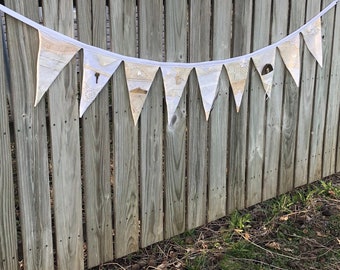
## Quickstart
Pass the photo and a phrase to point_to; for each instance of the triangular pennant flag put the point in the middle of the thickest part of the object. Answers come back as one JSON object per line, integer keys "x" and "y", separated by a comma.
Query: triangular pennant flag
{"x": 313, "y": 39}
{"x": 208, "y": 80}
{"x": 264, "y": 63}
{"x": 175, "y": 79}
{"x": 53, "y": 55}
{"x": 139, "y": 78}
{"x": 238, "y": 73}
{"x": 290, "y": 54}
{"x": 97, "y": 70}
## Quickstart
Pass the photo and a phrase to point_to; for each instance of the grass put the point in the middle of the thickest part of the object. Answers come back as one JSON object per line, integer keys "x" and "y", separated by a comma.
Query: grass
{"x": 298, "y": 230}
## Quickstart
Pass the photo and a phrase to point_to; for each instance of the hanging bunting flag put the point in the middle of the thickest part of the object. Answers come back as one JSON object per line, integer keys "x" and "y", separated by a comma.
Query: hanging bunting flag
{"x": 290, "y": 54}
{"x": 175, "y": 79}
{"x": 53, "y": 55}
{"x": 238, "y": 74}
{"x": 313, "y": 39}
{"x": 264, "y": 63}
{"x": 208, "y": 80}
{"x": 139, "y": 79}
{"x": 97, "y": 70}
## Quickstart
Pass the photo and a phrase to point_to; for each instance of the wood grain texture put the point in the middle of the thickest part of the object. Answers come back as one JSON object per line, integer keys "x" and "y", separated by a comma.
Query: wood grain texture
{"x": 96, "y": 145}
{"x": 320, "y": 98}
{"x": 290, "y": 110}
{"x": 274, "y": 105}
{"x": 65, "y": 146}
{"x": 8, "y": 232}
{"x": 30, "y": 140}
{"x": 306, "y": 105}
{"x": 257, "y": 106}
{"x": 125, "y": 135}
{"x": 175, "y": 133}
{"x": 243, "y": 12}
{"x": 199, "y": 50}
{"x": 151, "y": 127}
{"x": 218, "y": 120}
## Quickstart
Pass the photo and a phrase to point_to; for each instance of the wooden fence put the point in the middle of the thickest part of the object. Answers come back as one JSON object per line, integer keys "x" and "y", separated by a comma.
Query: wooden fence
{"x": 75, "y": 193}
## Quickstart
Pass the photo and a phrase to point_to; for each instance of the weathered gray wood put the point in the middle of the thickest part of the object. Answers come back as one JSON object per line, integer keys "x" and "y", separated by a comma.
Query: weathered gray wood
{"x": 151, "y": 127}
{"x": 306, "y": 105}
{"x": 333, "y": 106}
{"x": 65, "y": 146}
{"x": 31, "y": 141}
{"x": 199, "y": 37}
{"x": 242, "y": 24}
{"x": 274, "y": 105}
{"x": 290, "y": 110}
{"x": 125, "y": 134}
{"x": 175, "y": 134}
{"x": 96, "y": 145}
{"x": 320, "y": 98}
{"x": 218, "y": 120}
{"x": 8, "y": 232}
{"x": 257, "y": 106}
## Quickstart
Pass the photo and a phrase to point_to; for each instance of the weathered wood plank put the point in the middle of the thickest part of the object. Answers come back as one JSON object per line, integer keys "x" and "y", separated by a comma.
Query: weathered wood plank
{"x": 274, "y": 105}
{"x": 96, "y": 145}
{"x": 257, "y": 106}
{"x": 125, "y": 134}
{"x": 151, "y": 127}
{"x": 320, "y": 98}
{"x": 8, "y": 232}
{"x": 290, "y": 110}
{"x": 306, "y": 105}
{"x": 31, "y": 141}
{"x": 175, "y": 134}
{"x": 218, "y": 129}
{"x": 199, "y": 49}
{"x": 243, "y": 13}
{"x": 65, "y": 146}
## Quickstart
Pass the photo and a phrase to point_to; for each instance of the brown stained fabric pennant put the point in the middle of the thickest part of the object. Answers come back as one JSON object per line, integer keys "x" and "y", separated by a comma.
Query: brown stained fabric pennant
{"x": 313, "y": 38}
{"x": 139, "y": 78}
{"x": 97, "y": 70}
{"x": 238, "y": 73}
{"x": 53, "y": 55}
{"x": 290, "y": 54}
{"x": 208, "y": 81}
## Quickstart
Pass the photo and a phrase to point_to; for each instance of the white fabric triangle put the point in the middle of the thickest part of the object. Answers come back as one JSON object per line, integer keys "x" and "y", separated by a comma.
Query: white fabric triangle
{"x": 238, "y": 74}
{"x": 175, "y": 79}
{"x": 313, "y": 39}
{"x": 290, "y": 54}
{"x": 53, "y": 55}
{"x": 139, "y": 78}
{"x": 264, "y": 63}
{"x": 208, "y": 81}
{"x": 97, "y": 70}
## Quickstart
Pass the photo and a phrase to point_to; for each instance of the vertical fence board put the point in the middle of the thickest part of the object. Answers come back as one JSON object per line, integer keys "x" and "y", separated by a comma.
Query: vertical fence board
{"x": 64, "y": 125}
{"x": 96, "y": 145}
{"x": 306, "y": 105}
{"x": 151, "y": 127}
{"x": 218, "y": 120}
{"x": 8, "y": 233}
{"x": 243, "y": 13}
{"x": 257, "y": 106}
{"x": 31, "y": 141}
{"x": 274, "y": 105}
{"x": 175, "y": 134}
{"x": 320, "y": 97}
{"x": 125, "y": 134}
{"x": 290, "y": 110}
{"x": 333, "y": 107}
{"x": 199, "y": 49}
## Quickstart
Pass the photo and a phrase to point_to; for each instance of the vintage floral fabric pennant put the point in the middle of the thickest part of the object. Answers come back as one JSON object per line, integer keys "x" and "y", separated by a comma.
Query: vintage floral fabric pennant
{"x": 208, "y": 81}
{"x": 139, "y": 78}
